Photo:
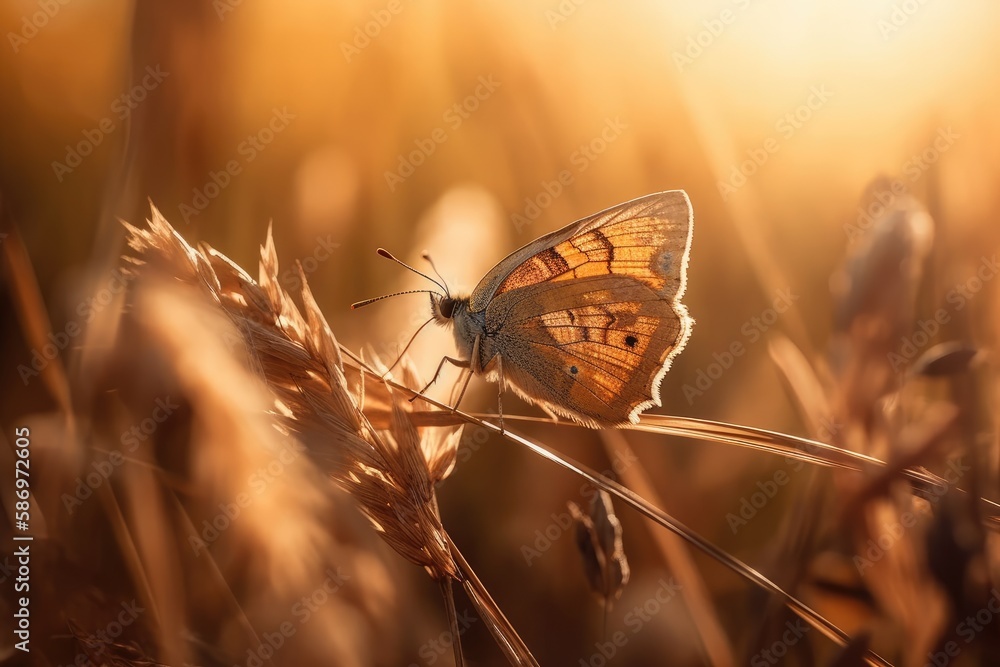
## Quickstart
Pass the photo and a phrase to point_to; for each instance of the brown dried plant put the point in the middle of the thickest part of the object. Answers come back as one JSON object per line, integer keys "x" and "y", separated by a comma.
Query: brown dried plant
{"x": 918, "y": 550}
{"x": 354, "y": 425}
{"x": 260, "y": 379}
{"x": 365, "y": 435}
{"x": 175, "y": 522}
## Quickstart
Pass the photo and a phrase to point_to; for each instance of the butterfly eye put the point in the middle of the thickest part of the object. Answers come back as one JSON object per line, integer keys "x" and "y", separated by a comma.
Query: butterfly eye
{"x": 447, "y": 307}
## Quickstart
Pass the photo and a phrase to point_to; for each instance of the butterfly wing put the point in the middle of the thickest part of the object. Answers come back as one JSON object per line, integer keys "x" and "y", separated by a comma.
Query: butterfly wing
{"x": 588, "y": 324}
{"x": 653, "y": 219}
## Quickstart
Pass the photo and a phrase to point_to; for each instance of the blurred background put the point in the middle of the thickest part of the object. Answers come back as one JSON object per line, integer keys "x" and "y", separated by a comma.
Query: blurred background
{"x": 467, "y": 130}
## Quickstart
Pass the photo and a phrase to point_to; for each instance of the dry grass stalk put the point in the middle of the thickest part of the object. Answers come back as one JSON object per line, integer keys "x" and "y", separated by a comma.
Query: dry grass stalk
{"x": 862, "y": 393}
{"x": 385, "y": 463}
{"x": 299, "y": 359}
{"x": 711, "y": 639}
{"x": 151, "y": 511}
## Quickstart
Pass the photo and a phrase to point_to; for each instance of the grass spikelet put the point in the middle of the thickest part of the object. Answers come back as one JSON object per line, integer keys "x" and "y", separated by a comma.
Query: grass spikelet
{"x": 390, "y": 467}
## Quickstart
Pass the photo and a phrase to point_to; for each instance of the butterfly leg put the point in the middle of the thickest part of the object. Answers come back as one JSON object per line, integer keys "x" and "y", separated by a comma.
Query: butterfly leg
{"x": 472, "y": 368}
{"x": 465, "y": 385}
{"x": 461, "y": 363}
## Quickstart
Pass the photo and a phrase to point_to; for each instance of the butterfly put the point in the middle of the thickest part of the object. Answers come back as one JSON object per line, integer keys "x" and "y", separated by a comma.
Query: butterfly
{"x": 584, "y": 321}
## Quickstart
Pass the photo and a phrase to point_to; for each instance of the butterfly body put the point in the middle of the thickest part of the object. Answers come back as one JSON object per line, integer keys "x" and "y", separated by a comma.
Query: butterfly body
{"x": 586, "y": 320}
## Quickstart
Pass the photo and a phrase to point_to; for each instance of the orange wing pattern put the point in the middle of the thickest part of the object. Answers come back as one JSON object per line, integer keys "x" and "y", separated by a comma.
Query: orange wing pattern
{"x": 591, "y": 356}
{"x": 625, "y": 247}
{"x": 586, "y": 320}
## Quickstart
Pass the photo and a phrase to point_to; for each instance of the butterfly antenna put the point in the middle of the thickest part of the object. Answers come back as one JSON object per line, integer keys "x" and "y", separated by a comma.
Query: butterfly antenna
{"x": 388, "y": 255}
{"x": 360, "y": 304}
{"x": 407, "y": 347}
{"x": 443, "y": 283}
{"x": 385, "y": 253}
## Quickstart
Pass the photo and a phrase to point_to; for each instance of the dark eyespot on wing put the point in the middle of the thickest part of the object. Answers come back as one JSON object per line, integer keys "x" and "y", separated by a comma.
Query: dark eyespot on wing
{"x": 666, "y": 262}
{"x": 631, "y": 340}
{"x": 574, "y": 370}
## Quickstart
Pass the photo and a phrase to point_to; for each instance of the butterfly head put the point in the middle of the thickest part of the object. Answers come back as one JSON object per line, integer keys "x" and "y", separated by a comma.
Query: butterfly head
{"x": 453, "y": 312}
{"x": 445, "y": 308}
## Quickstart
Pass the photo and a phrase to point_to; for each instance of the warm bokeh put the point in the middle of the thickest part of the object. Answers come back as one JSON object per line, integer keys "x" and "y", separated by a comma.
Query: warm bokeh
{"x": 468, "y": 129}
